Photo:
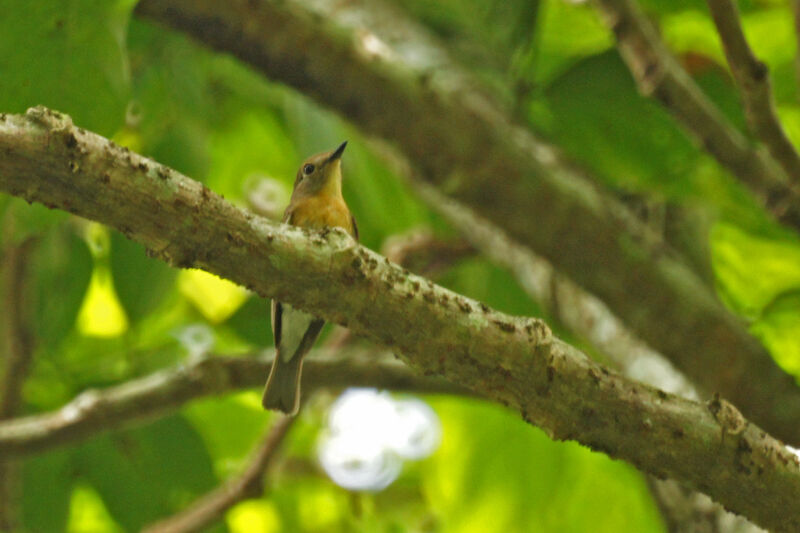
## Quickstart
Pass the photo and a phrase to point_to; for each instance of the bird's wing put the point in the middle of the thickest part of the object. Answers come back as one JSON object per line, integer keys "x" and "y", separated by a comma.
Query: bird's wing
{"x": 355, "y": 226}
{"x": 298, "y": 332}
{"x": 277, "y": 311}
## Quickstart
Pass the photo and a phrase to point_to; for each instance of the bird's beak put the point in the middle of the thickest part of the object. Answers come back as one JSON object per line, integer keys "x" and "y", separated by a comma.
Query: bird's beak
{"x": 337, "y": 153}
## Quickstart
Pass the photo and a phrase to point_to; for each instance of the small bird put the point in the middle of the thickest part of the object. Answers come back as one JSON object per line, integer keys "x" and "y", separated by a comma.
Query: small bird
{"x": 316, "y": 203}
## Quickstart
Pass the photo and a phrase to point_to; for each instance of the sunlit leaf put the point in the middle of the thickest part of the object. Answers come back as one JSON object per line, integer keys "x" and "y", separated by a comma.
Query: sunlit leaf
{"x": 752, "y": 271}
{"x": 778, "y": 328}
{"x": 140, "y": 282}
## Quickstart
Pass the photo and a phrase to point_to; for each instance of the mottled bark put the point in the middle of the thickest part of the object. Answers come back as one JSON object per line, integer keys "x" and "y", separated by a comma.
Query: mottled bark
{"x": 515, "y": 361}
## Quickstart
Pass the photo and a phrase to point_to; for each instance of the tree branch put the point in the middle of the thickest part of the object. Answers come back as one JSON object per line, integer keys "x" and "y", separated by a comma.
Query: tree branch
{"x": 582, "y": 314}
{"x": 512, "y": 360}
{"x": 18, "y": 352}
{"x": 249, "y": 484}
{"x": 658, "y": 75}
{"x": 138, "y": 401}
{"x": 589, "y": 319}
{"x": 752, "y": 77}
{"x": 18, "y": 338}
{"x": 386, "y": 75}
{"x": 686, "y": 511}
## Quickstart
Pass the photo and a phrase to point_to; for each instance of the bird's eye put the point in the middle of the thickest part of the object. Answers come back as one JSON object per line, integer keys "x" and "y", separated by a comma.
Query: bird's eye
{"x": 308, "y": 169}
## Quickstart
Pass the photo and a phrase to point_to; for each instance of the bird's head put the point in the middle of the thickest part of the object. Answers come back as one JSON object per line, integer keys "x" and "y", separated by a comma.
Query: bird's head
{"x": 320, "y": 174}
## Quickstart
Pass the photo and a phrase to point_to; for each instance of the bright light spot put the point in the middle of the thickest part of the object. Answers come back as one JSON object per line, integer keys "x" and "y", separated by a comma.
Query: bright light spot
{"x": 253, "y": 516}
{"x": 214, "y": 297}
{"x": 198, "y": 339}
{"x": 369, "y": 434}
{"x": 660, "y": 373}
{"x": 374, "y": 46}
{"x": 87, "y": 514}
{"x": 795, "y": 451}
{"x": 101, "y": 314}
{"x": 320, "y": 508}
{"x": 416, "y": 431}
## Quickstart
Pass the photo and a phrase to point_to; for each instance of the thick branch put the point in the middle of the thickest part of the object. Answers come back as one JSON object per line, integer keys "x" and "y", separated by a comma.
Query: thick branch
{"x": 752, "y": 77}
{"x": 658, "y": 74}
{"x": 513, "y": 360}
{"x": 590, "y": 320}
{"x": 141, "y": 400}
{"x": 389, "y": 78}
{"x": 249, "y": 484}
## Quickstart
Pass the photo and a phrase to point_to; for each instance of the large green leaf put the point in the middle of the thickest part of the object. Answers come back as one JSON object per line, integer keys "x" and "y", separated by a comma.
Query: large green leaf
{"x": 147, "y": 473}
{"x": 140, "y": 282}
{"x": 47, "y": 484}
{"x": 62, "y": 267}
{"x": 595, "y": 113}
{"x": 752, "y": 270}
{"x": 493, "y": 472}
{"x": 68, "y": 55}
{"x": 230, "y": 427}
{"x": 778, "y": 328}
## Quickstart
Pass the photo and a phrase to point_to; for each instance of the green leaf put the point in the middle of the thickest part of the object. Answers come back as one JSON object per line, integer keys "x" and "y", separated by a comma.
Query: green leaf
{"x": 493, "y": 472}
{"x": 568, "y": 32}
{"x": 62, "y": 267}
{"x": 22, "y": 220}
{"x": 229, "y": 426}
{"x": 47, "y": 480}
{"x": 777, "y": 328}
{"x": 252, "y": 322}
{"x": 147, "y": 473}
{"x": 140, "y": 282}
{"x": 753, "y": 270}
{"x": 66, "y": 55}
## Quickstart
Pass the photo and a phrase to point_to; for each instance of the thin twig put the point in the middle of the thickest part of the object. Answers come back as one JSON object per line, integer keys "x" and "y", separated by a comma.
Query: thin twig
{"x": 752, "y": 78}
{"x": 250, "y": 484}
{"x": 659, "y": 75}
{"x": 141, "y": 400}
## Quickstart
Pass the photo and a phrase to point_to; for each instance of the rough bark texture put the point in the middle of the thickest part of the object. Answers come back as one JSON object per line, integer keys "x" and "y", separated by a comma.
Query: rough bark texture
{"x": 367, "y": 62}
{"x": 513, "y": 360}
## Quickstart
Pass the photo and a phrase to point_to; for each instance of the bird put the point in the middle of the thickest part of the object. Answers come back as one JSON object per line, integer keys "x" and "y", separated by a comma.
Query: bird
{"x": 316, "y": 203}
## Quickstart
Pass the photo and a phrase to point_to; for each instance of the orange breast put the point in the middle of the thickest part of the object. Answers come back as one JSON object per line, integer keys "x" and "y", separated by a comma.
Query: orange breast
{"x": 322, "y": 211}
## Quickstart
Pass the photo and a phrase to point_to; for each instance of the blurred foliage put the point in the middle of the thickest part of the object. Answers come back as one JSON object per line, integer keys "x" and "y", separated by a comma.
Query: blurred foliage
{"x": 212, "y": 118}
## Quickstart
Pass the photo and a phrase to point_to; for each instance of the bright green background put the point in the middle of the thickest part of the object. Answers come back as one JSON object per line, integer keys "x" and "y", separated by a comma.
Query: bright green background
{"x": 106, "y": 313}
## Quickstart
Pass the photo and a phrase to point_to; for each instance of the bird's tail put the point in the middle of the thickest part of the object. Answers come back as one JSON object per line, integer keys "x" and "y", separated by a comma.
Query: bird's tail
{"x": 282, "y": 391}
